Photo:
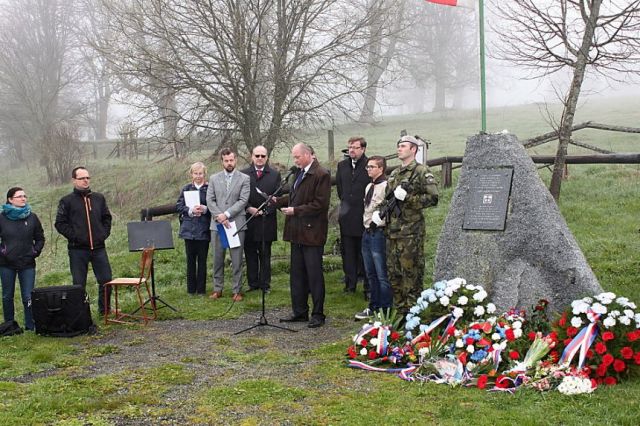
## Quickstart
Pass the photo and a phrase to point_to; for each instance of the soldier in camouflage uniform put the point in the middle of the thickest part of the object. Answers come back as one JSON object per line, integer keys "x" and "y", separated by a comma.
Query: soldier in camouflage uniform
{"x": 410, "y": 189}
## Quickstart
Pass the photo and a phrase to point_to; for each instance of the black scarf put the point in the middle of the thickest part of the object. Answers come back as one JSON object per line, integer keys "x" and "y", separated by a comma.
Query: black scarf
{"x": 369, "y": 196}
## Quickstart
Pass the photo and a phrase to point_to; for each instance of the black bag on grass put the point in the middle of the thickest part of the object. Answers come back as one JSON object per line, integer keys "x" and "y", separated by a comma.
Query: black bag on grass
{"x": 61, "y": 311}
{"x": 10, "y": 328}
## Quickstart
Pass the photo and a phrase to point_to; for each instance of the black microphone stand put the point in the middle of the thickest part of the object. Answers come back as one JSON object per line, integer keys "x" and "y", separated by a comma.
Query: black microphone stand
{"x": 262, "y": 321}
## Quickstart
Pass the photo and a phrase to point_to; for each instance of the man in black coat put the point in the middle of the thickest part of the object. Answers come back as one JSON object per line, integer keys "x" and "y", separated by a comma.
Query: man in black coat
{"x": 262, "y": 229}
{"x": 351, "y": 180}
{"x": 83, "y": 218}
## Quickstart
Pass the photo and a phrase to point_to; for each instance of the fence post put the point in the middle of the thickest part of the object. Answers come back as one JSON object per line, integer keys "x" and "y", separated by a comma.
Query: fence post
{"x": 330, "y": 140}
{"x": 446, "y": 174}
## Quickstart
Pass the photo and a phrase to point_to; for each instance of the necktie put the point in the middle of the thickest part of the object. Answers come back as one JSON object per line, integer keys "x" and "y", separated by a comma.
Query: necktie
{"x": 298, "y": 179}
{"x": 259, "y": 173}
{"x": 228, "y": 181}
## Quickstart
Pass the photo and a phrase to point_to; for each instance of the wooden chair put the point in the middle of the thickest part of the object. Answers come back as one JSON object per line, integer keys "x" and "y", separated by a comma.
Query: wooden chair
{"x": 144, "y": 312}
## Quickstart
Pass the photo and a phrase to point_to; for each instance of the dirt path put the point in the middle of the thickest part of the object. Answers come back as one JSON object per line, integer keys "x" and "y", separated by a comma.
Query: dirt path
{"x": 208, "y": 349}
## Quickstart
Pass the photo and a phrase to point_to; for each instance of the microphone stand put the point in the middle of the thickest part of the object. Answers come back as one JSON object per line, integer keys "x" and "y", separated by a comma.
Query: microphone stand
{"x": 262, "y": 321}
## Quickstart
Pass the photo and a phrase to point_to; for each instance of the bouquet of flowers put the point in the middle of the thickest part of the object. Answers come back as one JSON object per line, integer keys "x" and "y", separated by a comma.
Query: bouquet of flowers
{"x": 566, "y": 379}
{"x": 451, "y": 304}
{"x": 379, "y": 342}
{"x": 604, "y": 331}
{"x": 537, "y": 351}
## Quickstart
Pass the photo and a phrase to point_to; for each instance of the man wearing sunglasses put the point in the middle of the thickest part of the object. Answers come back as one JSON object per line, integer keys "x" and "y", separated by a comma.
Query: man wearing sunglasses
{"x": 83, "y": 218}
{"x": 263, "y": 228}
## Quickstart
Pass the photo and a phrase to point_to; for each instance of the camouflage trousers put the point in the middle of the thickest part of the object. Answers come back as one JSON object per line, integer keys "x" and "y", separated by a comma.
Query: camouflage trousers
{"x": 405, "y": 264}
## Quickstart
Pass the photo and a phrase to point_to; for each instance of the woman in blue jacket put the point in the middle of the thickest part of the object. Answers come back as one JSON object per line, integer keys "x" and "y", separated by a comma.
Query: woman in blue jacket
{"x": 21, "y": 241}
{"x": 195, "y": 220}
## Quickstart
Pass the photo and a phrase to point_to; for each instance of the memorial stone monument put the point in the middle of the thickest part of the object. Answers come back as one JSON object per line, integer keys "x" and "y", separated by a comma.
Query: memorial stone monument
{"x": 504, "y": 231}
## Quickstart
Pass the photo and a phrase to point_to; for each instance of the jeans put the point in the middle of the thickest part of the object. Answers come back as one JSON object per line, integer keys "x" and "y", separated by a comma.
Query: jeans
{"x": 79, "y": 264}
{"x": 374, "y": 255}
{"x": 27, "y": 278}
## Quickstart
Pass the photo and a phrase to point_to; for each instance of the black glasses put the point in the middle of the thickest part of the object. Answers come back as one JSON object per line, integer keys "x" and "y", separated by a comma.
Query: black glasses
{"x": 259, "y": 156}
{"x": 84, "y": 178}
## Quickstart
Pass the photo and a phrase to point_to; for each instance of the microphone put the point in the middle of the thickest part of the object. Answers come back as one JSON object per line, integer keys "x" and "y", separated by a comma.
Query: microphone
{"x": 292, "y": 171}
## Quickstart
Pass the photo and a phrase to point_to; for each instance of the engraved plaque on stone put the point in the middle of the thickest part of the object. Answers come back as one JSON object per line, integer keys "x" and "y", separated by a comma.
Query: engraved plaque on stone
{"x": 488, "y": 201}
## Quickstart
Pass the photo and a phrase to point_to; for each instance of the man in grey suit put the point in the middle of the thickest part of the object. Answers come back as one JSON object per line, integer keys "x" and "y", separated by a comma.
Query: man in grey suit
{"x": 227, "y": 197}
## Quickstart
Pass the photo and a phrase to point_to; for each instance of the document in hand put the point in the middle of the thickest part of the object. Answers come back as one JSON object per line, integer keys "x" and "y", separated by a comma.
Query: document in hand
{"x": 192, "y": 198}
{"x": 228, "y": 236}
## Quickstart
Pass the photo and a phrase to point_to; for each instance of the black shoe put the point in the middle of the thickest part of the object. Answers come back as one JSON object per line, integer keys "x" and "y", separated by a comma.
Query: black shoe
{"x": 315, "y": 323}
{"x": 294, "y": 318}
{"x": 252, "y": 289}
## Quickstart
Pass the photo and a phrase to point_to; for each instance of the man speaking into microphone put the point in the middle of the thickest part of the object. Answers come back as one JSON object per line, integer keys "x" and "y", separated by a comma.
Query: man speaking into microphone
{"x": 306, "y": 209}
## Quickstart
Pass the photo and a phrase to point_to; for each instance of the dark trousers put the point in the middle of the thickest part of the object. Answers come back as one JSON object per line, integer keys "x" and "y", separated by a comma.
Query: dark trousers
{"x": 258, "y": 263}
{"x": 27, "y": 278}
{"x": 79, "y": 260}
{"x": 307, "y": 278}
{"x": 197, "y": 252}
{"x": 352, "y": 264}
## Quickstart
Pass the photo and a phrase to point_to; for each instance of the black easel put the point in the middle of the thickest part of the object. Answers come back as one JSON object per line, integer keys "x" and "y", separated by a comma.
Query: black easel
{"x": 156, "y": 234}
{"x": 263, "y": 319}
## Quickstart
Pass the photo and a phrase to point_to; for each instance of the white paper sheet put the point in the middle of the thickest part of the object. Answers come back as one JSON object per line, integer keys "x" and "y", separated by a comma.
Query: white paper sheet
{"x": 192, "y": 198}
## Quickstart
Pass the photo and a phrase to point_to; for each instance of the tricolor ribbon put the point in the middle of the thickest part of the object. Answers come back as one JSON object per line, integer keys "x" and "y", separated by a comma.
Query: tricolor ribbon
{"x": 430, "y": 328}
{"x": 496, "y": 357}
{"x": 445, "y": 332}
{"x": 582, "y": 342}
{"x": 365, "y": 330}
{"x": 364, "y": 366}
{"x": 383, "y": 343}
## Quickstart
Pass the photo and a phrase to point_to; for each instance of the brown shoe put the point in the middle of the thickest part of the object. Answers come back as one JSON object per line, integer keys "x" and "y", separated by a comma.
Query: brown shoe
{"x": 237, "y": 297}
{"x": 215, "y": 295}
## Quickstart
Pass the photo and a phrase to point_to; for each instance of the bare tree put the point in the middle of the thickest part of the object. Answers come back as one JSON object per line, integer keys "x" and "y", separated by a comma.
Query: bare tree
{"x": 92, "y": 30}
{"x": 384, "y": 32}
{"x": 37, "y": 70}
{"x": 443, "y": 50}
{"x": 549, "y": 36}
{"x": 253, "y": 67}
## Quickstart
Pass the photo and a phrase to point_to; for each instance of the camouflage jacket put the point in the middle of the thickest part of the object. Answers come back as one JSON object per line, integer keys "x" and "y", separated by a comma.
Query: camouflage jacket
{"x": 407, "y": 219}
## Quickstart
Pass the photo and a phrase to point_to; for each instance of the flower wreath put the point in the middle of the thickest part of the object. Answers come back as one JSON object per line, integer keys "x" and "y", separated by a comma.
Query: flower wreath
{"x": 454, "y": 301}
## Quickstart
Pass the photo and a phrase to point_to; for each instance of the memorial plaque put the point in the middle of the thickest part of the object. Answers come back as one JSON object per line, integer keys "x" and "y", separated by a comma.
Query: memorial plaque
{"x": 489, "y": 191}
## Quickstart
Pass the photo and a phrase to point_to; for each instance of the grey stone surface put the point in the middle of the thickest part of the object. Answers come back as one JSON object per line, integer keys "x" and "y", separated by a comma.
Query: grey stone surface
{"x": 536, "y": 256}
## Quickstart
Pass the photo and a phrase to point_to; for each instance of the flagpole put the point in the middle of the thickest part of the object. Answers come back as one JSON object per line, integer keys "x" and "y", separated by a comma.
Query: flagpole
{"x": 483, "y": 89}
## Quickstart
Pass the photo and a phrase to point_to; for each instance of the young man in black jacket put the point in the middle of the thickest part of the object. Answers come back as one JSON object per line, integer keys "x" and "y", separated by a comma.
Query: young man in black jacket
{"x": 83, "y": 218}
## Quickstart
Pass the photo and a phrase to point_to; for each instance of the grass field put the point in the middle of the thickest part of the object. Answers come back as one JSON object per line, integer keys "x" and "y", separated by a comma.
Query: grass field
{"x": 45, "y": 380}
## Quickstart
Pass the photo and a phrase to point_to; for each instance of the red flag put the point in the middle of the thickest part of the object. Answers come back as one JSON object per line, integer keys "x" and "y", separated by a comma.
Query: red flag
{"x": 470, "y": 4}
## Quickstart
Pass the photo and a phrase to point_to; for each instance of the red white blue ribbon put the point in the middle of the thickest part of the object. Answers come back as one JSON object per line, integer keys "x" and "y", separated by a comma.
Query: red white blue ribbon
{"x": 364, "y": 366}
{"x": 430, "y": 328}
{"x": 383, "y": 343}
{"x": 582, "y": 342}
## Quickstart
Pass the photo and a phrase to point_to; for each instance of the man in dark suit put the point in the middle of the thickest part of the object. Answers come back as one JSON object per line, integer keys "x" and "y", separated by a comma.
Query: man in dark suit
{"x": 351, "y": 180}
{"x": 262, "y": 229}
{"x": 305, "y": 226}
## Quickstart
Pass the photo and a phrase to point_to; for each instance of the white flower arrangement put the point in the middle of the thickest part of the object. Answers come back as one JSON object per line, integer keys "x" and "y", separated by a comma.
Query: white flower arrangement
{"x": 575, "y": 385}
{"x": 606, "y": 309}
{"x": 463, "y": 301}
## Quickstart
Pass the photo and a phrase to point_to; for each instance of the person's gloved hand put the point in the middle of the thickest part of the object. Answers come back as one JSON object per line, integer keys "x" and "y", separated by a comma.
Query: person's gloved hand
{"x": 400, "y": 193}
{"x": 375, "y": 218}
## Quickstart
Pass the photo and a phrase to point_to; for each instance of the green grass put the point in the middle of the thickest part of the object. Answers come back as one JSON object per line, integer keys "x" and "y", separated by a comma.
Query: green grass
{"x": 42, "y": 380}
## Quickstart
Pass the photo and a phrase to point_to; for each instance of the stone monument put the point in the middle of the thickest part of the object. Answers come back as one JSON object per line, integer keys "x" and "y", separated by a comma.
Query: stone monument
{"x": 504, "y": 231}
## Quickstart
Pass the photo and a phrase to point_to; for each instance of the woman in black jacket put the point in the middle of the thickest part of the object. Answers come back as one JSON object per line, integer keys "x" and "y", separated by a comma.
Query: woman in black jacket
{"x": 21, "y": 241}
{"x": 195, "y": 221}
